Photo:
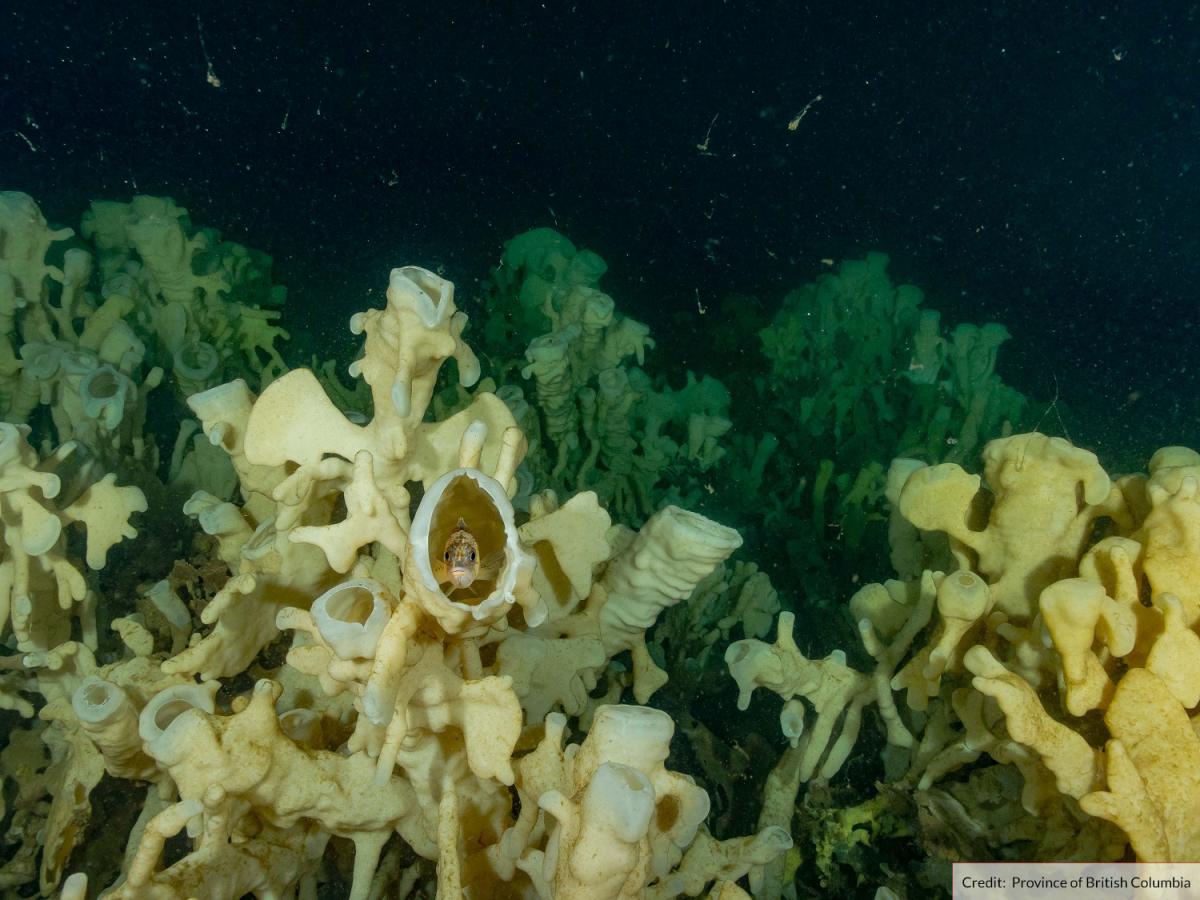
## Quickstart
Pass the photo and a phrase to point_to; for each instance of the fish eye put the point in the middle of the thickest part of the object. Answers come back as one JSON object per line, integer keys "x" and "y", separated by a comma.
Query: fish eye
{"x": 472, "y": 556}
{"x": 446, "y": 556}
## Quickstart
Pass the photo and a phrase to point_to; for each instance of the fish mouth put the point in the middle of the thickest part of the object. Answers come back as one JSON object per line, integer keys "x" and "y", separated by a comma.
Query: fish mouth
{"x": 461, "y": 577}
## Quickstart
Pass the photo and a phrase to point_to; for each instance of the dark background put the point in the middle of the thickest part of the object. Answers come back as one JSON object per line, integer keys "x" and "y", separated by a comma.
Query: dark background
{"x": 1028, "y": 162}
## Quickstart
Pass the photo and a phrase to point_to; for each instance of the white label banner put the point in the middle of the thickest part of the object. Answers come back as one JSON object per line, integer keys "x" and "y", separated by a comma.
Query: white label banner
{"x": 1076, "y": 881}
